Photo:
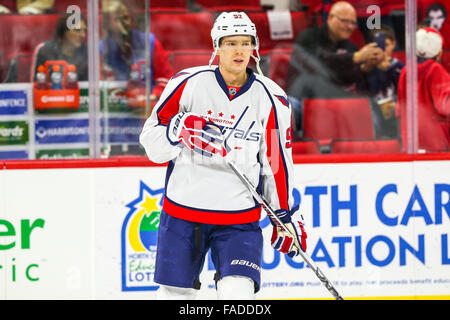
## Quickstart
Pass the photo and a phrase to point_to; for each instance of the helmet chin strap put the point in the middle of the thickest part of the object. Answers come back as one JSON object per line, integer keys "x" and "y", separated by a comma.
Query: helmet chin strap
{"x": 212, "y": 57}
{"x": 257, "y": 59}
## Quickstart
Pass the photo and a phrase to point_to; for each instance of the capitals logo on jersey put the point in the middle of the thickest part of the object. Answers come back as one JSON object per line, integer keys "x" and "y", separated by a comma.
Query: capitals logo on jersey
{"x": 230, "y": 126}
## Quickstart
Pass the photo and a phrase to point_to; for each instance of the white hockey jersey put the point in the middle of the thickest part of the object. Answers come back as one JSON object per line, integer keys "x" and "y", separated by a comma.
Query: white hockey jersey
{"x": 256, "y": 125}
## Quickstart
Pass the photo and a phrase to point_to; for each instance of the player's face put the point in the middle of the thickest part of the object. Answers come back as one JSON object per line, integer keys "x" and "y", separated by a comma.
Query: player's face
{"x": 235, "y": 53}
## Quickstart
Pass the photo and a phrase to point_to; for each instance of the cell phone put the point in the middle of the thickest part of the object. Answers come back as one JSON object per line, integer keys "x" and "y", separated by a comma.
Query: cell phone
{"x": 380, "y": 39}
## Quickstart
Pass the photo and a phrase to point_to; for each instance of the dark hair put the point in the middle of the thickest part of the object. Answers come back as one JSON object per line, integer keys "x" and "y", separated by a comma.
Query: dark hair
{"x": 387, "y": 30}
{"x": 436, "y": 6}
{"x": 61, "y": 26}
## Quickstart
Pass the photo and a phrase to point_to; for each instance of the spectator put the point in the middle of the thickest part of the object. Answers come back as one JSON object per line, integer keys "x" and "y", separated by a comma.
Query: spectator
{"x": 384, "y": 76}
{"x": 365, "y": 12}
{"x": 433, "y": 91}
{"x": 123, "y": 46}
{"x": 29, "y": 7}
{"x": 68, "y": 44}
{"x": 437, "y": 16}
{"x": 380, "y": 83}
{"x": 325, "y": 63}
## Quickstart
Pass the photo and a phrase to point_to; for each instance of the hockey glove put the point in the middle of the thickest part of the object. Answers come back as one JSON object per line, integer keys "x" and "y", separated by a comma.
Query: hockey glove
{"x": 283, "y": 241}
{"x": 196, "y": 134}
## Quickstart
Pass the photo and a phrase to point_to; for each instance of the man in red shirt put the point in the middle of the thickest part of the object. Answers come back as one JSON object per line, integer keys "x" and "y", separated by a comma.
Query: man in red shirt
{"x": 433, "y": 94}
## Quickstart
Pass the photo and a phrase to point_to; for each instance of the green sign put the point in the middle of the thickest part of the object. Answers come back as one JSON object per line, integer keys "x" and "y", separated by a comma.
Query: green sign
{"x": 19, "y": 237}
{"x": 14, "y": 132}
{"x": 62, "y": 154}
{"x": 84, "y": 100}
{"x": 114, "y": 99}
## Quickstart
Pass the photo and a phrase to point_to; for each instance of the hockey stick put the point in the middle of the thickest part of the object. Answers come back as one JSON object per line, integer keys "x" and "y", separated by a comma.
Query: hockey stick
{"x": 272, "y": 215}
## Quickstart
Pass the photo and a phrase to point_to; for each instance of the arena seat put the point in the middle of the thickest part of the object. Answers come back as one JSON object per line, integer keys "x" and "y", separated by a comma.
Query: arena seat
{"x": 362, "y": 5}
{"x": 24, "y": 63}
{"x": 25, "y": 32}
{"x": 183, "y": 31}
{"x": 357, "y": 38}
{"x": 305, "y": 147}
{"x": 300, "y": 21}
{"x": 19, "y": 69}
{"x": 230, "y": 5}
{"x": 313, "y": 5}
{"x": 399, "y": 55}
{"x": 10, "y": 4}
{"x": 164, "y": 5}
{"x": 325, "y": 119}
{"x": 278, "y": 66}
{"x": 33, "y": 66}
{"x": 365, "y": 146}
{"x": 397, "y": 5}
{"x": 158, "y": 5}
{"x": 60, "y": 6}
{"x": 445, "y": 60}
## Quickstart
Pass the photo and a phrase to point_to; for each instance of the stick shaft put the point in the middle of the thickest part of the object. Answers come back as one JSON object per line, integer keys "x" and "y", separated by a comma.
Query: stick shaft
{"x": 272, "y": 215}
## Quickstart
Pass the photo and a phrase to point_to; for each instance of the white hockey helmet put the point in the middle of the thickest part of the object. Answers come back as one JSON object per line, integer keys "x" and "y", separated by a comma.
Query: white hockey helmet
{"x": 234, "y": 23}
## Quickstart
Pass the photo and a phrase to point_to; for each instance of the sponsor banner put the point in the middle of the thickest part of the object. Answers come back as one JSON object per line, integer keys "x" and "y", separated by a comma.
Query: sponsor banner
{"x": 114, "y": 99}
{"x": 84, "y": 96}
{"x": 61, "y": 131}
{"x": 112, "y": 96}
{"x": 130, "y": 211}
{"x": 14, "y": 132}
{"x": 58, "y": 99}
{"x": 46, "y": 154}
{"x": 122, "y": 130}
{"x": 14, "y": 154}
{"x": 374, "y": 229}
{"x": 139, "y": 239}
{"x": 13, "y": 102}
{"x": 372, "y": 234}
{"x": 46, "y": 251}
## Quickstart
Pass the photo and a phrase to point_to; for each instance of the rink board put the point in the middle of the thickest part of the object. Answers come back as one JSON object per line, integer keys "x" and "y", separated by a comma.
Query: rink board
{"x": 376, "y": 229}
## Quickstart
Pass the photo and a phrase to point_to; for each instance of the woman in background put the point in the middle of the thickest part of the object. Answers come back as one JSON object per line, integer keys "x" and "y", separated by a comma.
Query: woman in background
{"x": 68, "y": 44}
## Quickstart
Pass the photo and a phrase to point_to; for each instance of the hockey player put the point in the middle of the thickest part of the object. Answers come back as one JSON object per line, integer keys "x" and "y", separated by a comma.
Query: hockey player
{"x": 205, "y": 114}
